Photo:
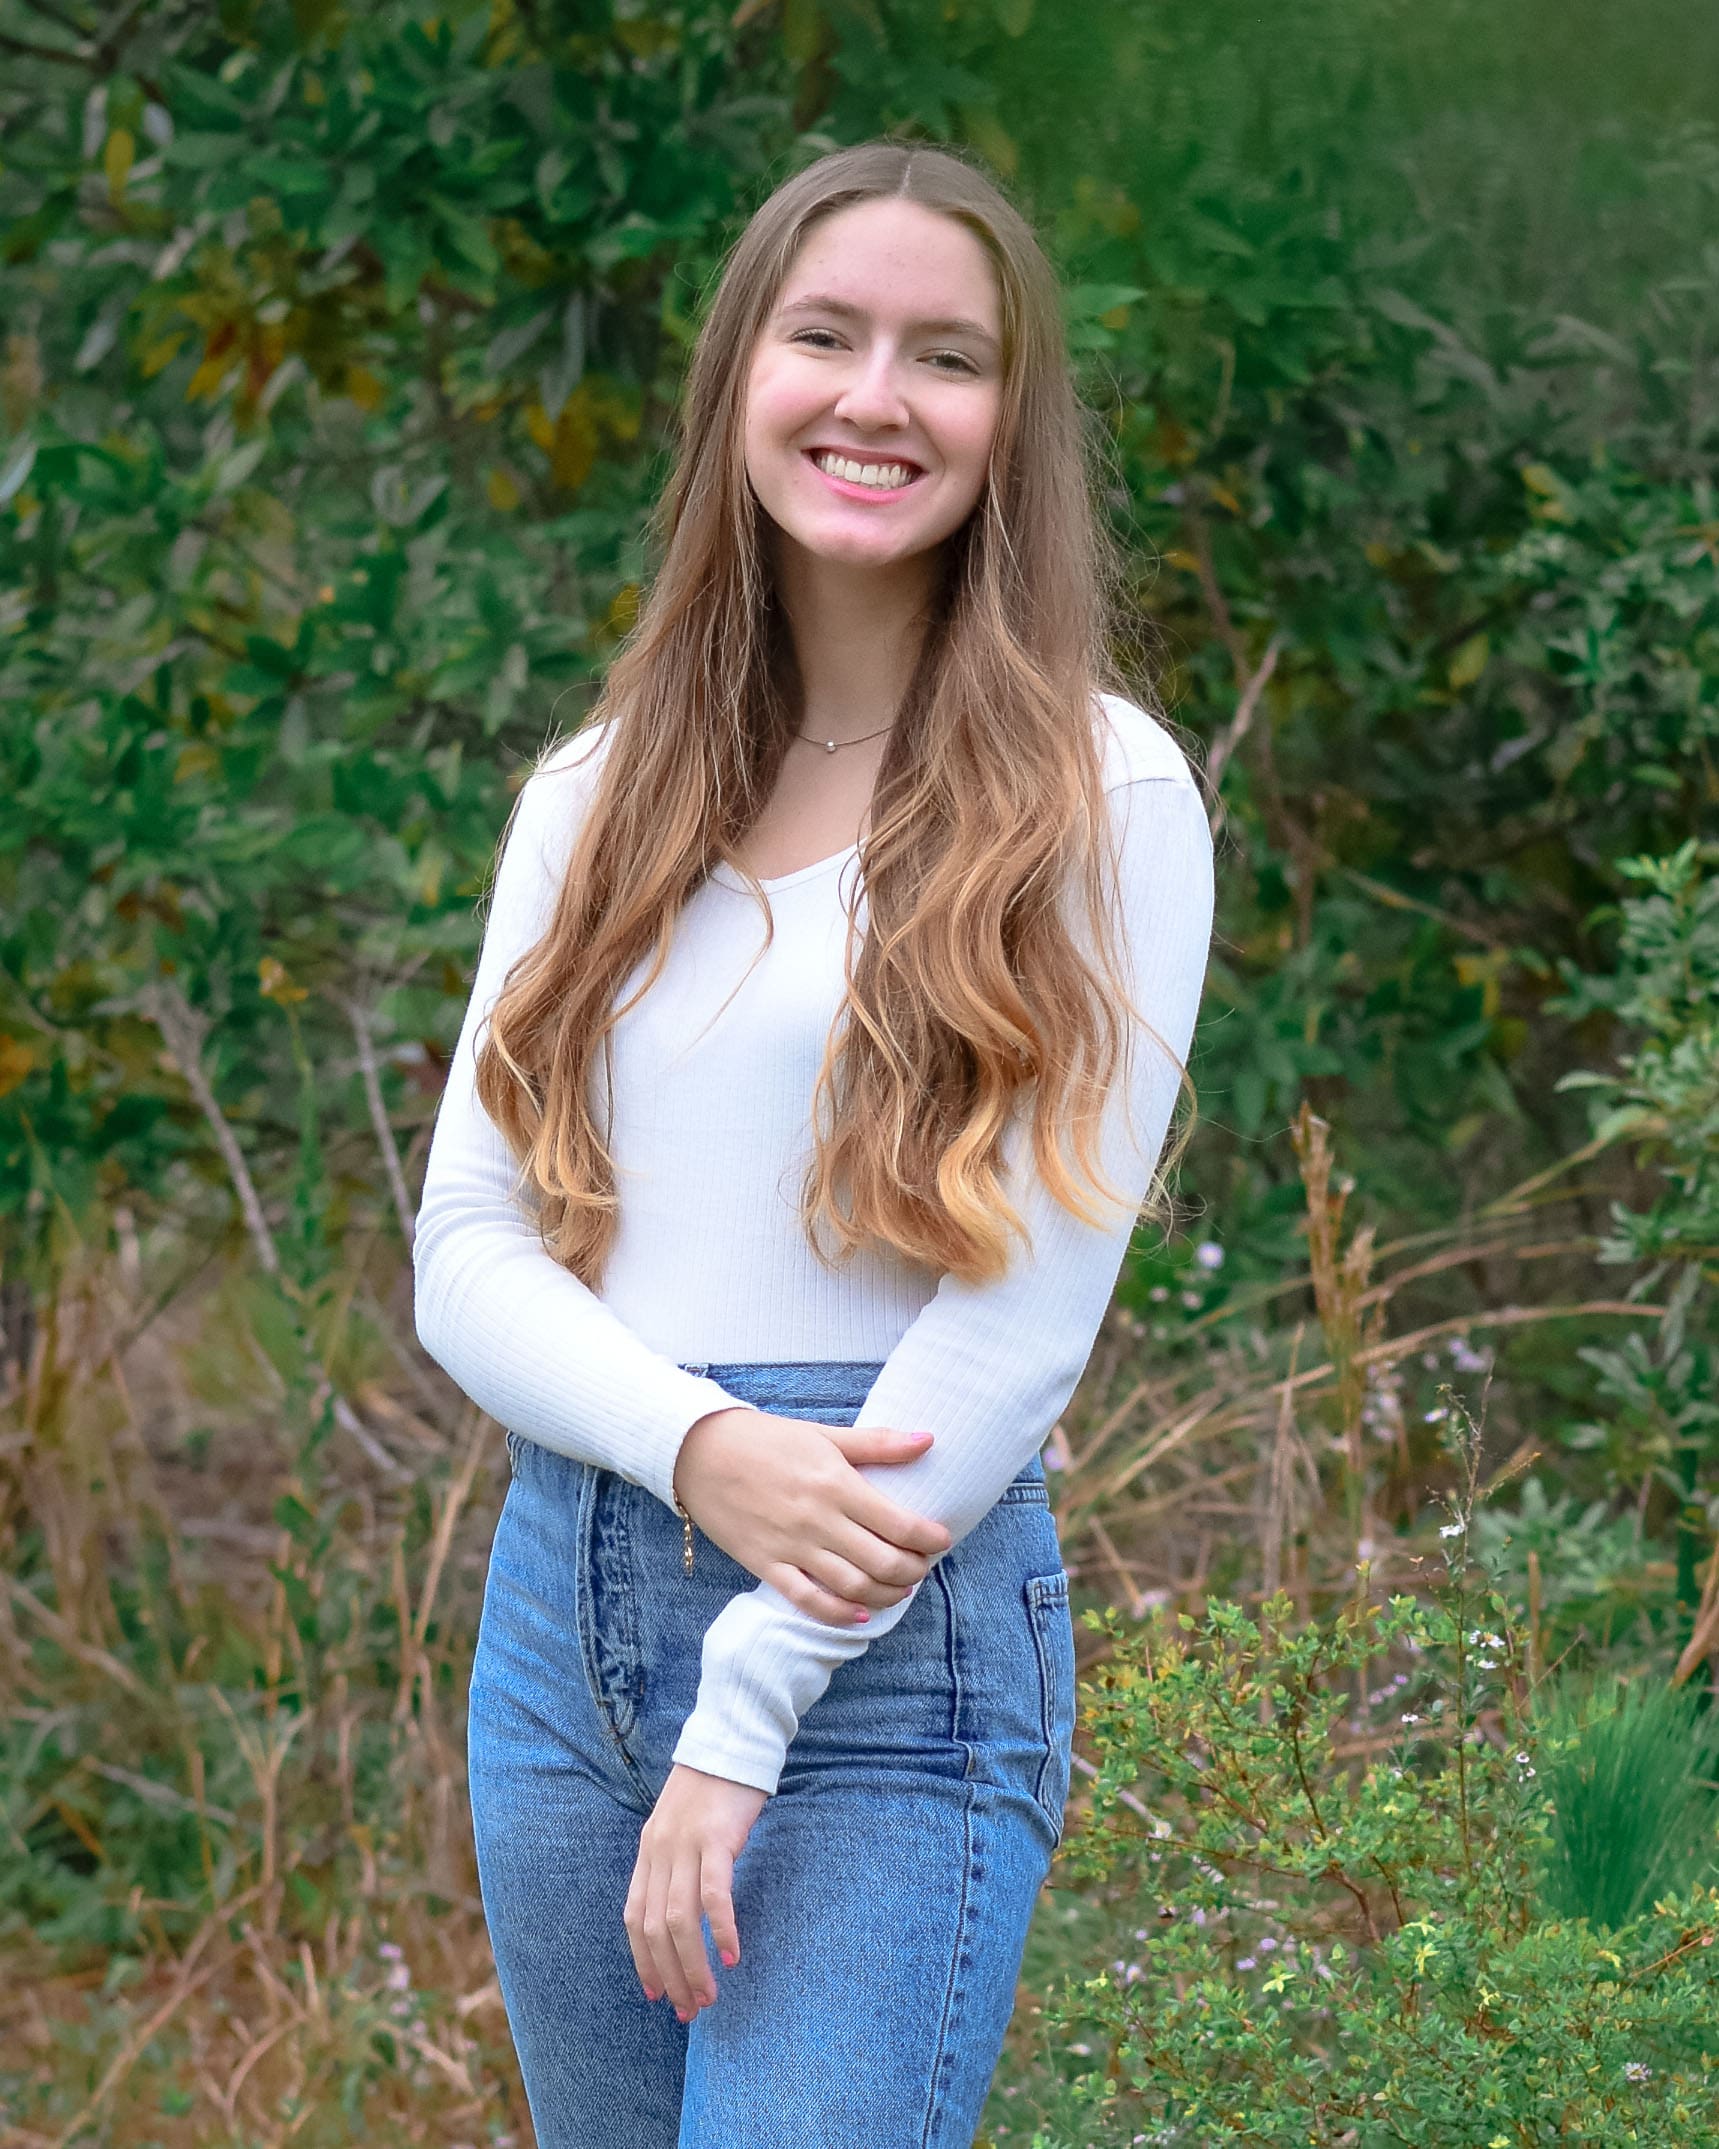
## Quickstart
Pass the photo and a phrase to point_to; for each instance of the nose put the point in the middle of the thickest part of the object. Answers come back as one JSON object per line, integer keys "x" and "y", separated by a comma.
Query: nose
{"x": 872, "y": 398}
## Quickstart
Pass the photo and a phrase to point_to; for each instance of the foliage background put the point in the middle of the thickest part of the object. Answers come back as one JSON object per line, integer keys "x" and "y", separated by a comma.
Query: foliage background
{"x": 341, "y": 352}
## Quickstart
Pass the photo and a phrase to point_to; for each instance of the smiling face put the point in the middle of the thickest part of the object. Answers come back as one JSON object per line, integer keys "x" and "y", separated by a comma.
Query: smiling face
{"x": 883, "y": 350}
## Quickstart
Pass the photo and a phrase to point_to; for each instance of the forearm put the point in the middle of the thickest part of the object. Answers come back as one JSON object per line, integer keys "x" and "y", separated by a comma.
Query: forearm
{"x": 527, "y": 1340}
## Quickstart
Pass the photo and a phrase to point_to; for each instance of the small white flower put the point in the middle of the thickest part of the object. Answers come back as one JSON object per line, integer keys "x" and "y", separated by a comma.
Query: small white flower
{"x": 1209, "y": 1254}
{"x": 1636, "y": 2071}
{"x": 1451, "y": 1529}
{"x": 1411, "y": 1718}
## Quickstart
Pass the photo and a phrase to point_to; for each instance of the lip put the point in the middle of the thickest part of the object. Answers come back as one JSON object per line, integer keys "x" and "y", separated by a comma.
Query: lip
{"x": 850, "y": 491}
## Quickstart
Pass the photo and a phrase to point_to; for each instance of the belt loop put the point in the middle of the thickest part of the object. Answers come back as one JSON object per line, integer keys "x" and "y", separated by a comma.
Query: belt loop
{"x": 698, "y": 1371}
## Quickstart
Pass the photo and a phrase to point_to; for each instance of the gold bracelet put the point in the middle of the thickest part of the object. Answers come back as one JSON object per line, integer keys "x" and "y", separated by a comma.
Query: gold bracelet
{"x": 686, "y": 1551}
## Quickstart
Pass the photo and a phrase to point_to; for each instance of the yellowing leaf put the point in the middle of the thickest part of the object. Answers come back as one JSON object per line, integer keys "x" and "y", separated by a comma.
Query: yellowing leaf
{"x": 364, "y": 388}
{"x": 1176, "y": 557}
{"x": 574, "y": 449}
{"x": 502, "y": 491}
{"x": 624, "y": 608}
{"x": 646, "y": 39}
{"x": 117, "y": 159}
{"x": 990, "y": 139}
{"x": 619, "y": 412}
{"x": 1470, "y": 660}
{"x": 160, "y": 354}
{"x": 16, "y": 1060}
{"x": 209, "y": 376}
{"x": 1539, "y": 478}
{"x": 197, "y": 759}
{"x": 276, "y": 983}
{"x": 802, "y": 31}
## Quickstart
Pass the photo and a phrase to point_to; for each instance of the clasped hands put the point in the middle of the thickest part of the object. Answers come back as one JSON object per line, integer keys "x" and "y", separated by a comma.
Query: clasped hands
{"x": 783, "y": 1497}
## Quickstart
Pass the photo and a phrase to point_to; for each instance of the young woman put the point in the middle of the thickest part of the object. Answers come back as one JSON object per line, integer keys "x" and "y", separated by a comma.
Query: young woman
{"x": 834, "y": 999}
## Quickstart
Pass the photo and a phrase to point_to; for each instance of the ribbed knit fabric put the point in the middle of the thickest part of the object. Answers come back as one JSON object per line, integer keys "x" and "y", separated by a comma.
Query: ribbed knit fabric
{"x": 713, "y": 1073}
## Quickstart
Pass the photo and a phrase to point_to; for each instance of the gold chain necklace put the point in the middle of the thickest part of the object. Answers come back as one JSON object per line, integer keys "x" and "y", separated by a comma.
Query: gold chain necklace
{"x": 831, "y": 746}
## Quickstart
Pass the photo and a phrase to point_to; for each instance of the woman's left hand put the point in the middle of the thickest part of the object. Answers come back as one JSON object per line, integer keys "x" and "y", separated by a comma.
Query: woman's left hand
{"x": 685, "y": 1873}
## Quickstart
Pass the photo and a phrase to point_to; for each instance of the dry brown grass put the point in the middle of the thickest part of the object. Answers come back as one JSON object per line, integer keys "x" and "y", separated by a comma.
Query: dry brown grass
{"x": 236, "y": 1725}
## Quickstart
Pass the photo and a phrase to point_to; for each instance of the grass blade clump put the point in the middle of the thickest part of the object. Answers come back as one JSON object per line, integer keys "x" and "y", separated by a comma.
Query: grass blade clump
{"x": 1631, "y": 1771}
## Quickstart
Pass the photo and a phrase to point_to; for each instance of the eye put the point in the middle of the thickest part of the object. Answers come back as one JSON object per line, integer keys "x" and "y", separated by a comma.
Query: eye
{"x": 966, "y": 365}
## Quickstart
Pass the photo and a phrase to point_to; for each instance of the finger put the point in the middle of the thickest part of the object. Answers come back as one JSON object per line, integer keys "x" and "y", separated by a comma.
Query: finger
{"x": 897, "y": 1525}
{"x": 659, "y": 1936}
{"x": 844, "y": 1580}
{"x": 718, "y": 1894}
{"x": 686, "y": 1932}
{"x": 875, "y": 1559}
{"x": 809, "y": 1597}
{"x": 633, "y": 1918}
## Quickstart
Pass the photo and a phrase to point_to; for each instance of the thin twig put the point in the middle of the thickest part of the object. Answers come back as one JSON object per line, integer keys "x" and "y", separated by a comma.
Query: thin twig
{"x": 183, "y": 1031}
{"x": 1225, "y": 744}
{"x": 359, "y": 1018}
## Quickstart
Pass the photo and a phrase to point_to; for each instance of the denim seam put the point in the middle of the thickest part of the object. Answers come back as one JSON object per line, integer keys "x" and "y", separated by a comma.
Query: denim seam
{"x": 1046, "y": 1594}
{"x": 584, "y": 1545}
{"x": 952, "y": 1990}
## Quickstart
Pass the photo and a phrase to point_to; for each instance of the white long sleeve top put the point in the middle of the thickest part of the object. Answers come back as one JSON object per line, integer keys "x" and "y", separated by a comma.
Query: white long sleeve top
{"x": 713, "y": 1074}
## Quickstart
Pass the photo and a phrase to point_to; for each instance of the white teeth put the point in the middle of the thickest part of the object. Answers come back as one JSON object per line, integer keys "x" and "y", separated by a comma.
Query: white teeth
{"x": 883, "y": 476}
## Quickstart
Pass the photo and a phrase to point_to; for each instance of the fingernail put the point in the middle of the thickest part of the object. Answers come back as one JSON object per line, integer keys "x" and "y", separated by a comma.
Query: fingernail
{"x": 650, "y": 1995}
{"x": 682, "y": 2014}
{"x": 729, "y": 1960}
{"x": 860, "y": 1618}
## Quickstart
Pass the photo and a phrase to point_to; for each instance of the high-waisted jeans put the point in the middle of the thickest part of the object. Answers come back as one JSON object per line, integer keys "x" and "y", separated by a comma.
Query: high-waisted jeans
{"x": 884, "y": 1893}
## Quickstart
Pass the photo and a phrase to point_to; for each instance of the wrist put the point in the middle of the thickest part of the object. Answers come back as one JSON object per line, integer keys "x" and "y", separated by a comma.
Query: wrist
{"x": 691, "y": 1444}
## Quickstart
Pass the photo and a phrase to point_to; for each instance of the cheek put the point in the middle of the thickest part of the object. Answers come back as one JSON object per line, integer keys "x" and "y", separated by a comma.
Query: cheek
{"x": 778, "y": 400}
{"x": 967, "y": 447}
{"x": 967, "y": 432}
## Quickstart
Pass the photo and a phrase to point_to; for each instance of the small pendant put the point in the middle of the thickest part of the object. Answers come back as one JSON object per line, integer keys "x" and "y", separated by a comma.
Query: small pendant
{"x": 829, "y": 746}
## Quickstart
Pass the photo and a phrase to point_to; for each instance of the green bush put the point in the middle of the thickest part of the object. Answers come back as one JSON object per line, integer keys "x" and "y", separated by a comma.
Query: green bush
{"x": 1353, "y": 1931}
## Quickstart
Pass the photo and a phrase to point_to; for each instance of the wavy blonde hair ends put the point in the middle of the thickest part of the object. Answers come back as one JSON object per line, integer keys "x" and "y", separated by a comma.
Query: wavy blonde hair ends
{"x": 968, "y": 994}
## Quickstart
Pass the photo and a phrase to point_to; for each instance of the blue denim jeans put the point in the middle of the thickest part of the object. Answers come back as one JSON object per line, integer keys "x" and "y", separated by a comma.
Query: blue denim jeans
{"x": 884, "y": 1893}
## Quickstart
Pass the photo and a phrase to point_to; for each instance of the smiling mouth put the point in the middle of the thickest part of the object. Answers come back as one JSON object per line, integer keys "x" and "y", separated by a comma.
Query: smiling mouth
{"x": 863, "y": 487}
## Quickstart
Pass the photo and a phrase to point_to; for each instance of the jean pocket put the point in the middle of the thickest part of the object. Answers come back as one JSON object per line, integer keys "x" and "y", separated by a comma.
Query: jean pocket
{"x": 1053, "y": 1638}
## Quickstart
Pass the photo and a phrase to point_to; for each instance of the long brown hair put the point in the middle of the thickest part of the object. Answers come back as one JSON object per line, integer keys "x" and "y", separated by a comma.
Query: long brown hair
{"x": 969, "y": 985}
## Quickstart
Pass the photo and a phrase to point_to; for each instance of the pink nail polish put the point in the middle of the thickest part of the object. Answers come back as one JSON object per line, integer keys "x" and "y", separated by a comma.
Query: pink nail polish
{"x": 860, "y": 1618}
{"x": 729, "y": 1960}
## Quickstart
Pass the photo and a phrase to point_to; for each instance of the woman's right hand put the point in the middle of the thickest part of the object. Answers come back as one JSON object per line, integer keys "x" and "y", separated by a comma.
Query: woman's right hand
{"x": 784, "y": 1497}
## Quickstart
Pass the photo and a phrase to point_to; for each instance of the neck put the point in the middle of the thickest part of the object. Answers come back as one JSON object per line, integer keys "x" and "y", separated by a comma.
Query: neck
{"x": 856, "y": 633}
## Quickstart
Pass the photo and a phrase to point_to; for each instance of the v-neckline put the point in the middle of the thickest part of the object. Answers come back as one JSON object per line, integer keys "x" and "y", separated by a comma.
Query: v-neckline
{"x": 730, "y": 877}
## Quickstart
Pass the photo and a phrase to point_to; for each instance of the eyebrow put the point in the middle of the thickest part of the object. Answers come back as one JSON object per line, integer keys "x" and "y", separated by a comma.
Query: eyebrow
{"x": 948, "y": 325}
